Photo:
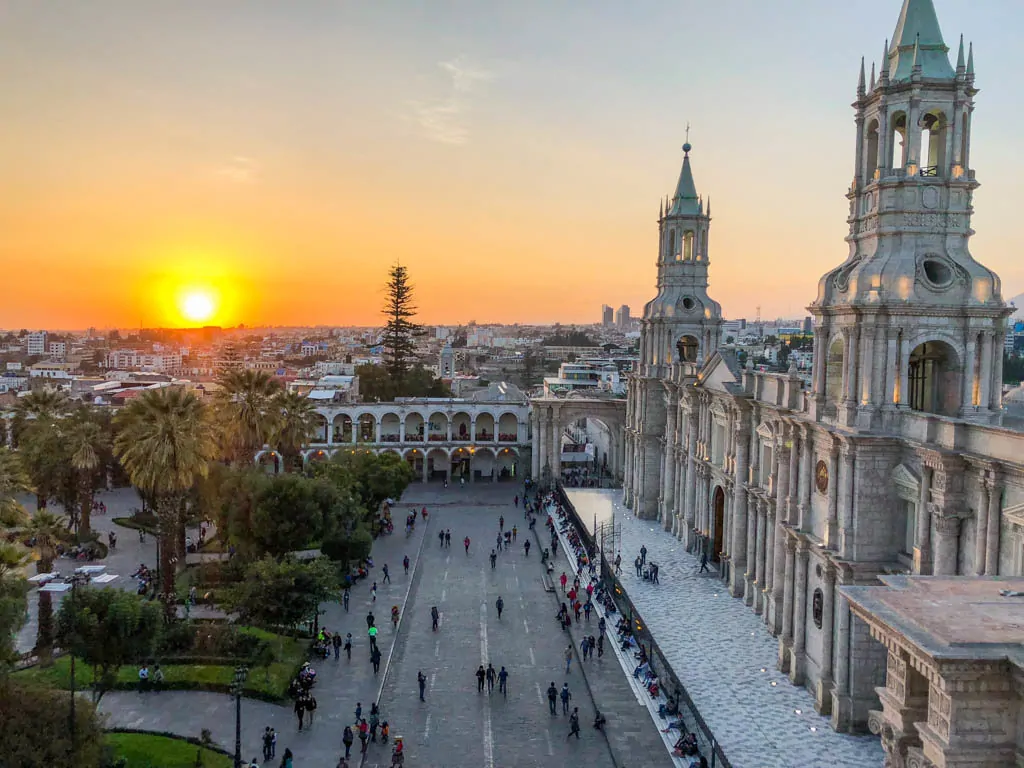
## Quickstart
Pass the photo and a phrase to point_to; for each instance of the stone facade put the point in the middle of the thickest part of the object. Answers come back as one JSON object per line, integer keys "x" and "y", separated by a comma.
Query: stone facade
{"x": 894, "y": 457}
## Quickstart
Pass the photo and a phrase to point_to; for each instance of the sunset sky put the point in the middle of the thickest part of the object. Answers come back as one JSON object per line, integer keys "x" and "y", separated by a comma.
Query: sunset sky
{"x": 279, "y": 156}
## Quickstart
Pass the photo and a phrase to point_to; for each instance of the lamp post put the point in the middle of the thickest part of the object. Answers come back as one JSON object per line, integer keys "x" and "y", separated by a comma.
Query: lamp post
{"x": 241, "y": 673}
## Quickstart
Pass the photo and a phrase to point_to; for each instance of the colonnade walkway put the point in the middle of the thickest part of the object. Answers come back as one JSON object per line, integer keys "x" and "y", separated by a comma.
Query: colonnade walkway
{"x": 722, "y": 653}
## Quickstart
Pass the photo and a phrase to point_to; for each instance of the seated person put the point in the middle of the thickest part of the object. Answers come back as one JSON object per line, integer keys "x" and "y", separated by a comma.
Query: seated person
{"x": 599, "y": 720}
{"x": 677, "y": 725}
{"x": 641, "y": 670}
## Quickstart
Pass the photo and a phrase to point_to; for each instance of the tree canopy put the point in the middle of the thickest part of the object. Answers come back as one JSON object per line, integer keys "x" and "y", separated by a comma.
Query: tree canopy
{"x": 399, "y": 331}
{"x": 107, "y": 628}
{"x": 377, "y": 384}
{"x": 283, "y": 593}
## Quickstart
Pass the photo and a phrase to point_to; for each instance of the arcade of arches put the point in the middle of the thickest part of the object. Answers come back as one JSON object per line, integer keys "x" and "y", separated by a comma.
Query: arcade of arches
{"x": 551, "y": 416}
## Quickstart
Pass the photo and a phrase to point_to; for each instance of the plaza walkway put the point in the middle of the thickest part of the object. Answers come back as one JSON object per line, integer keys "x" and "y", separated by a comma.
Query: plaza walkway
{"x": 723, "y": 654}
{"x": 456, "y": 727}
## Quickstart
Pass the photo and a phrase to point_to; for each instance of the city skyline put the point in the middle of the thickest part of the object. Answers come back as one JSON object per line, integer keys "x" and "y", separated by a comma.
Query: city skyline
{"x": 501, "y": 154}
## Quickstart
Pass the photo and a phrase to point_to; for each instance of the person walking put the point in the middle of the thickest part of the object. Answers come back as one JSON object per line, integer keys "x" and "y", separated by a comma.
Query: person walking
{"x": 440, "y": 537}
{"x": 370, "y": 620}
{"x": 481, "y": 674}
{"x": 387, "y": 575}
{"x": 344, "y": 599}
{"x": 500, "y": 605}
{"x": 448, "y": 538}
{"x": 618, "y": 564}
{"x": 704, "y": 563}
{"x": 435, "y": 618}
{"x": 422, "y": 680}
{"x": 526, "y": 547}
{"x": 566, "y": 697}
{"x": 564, "y": 579}
{"x": 465, "y": 543}
{"x": 574, "y": 723}
{"x": 638, "y": 565}
{"x": 492, "y": 676}
{"x": 364, "y": 736}
{"x": 568, "y": 658}
{"x": 375, "y": 659}
{"x": 501, "y": 523}
{"x": 584, "y": 647}
{"x": 372, "y": 633}
{"x": 300, "y": 709}
{"x": 359, "y": 712}
{"x": 348, "y": 645}
{"x": 643, "y": 555}
{"x": 499, "y": 542}
{"x": 286, "y": 759}
{"x": 587, "y": 608}
{"x": 348, "y": 739}
{"x": 267, "y": 740}
{"x": 516, "y": 501}
{"x": 515, "y": 532}
{"x": 494, "y": 559}
{"x": 336, "y": 643}
{"x": 373, "y": 593}
{"x": 600, "y": 646}
{"x": 503, "y": 681}
{"x": 552, "y": 697}
{"x": 405, "y": 563}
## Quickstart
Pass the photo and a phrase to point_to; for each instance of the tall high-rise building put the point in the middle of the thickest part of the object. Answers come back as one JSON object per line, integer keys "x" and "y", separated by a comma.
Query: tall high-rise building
{"x": 622, "y": 318}
{"x": 607, "y": 315}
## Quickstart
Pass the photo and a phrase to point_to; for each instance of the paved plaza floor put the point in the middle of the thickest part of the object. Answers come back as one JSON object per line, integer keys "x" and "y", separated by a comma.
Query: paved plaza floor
{"x": 456, "y": 726}
{"x": 723, "y": 654}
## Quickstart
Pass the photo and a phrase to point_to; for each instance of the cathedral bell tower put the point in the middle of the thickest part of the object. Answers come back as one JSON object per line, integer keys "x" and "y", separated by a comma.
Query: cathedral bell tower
{"x": 682, "y": 324}
{"x": 910, "y": 321}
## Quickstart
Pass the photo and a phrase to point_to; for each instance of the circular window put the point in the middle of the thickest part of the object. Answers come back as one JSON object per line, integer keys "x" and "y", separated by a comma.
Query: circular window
{"x": 937, "y": 272}
{"x": 688, "y": 303}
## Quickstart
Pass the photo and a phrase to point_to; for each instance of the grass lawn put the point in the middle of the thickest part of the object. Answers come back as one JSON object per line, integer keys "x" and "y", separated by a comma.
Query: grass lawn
{"x": 143, "y": 750}
{"x": 261, "y": 683}
{"x": 130, "y": 522}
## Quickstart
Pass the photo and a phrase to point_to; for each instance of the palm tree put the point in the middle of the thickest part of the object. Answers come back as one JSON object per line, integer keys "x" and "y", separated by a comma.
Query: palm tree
{"x": 165, "y": 442}
{"x": 13, "y": 480}
{"x": 13, "y": 587}
{"x": 42, "y": 404}
{"x": 295, "y": 424}
{"x": 247, "y": 411}
{"x": 45, "y": 530}
{"x": 85, "y": 443}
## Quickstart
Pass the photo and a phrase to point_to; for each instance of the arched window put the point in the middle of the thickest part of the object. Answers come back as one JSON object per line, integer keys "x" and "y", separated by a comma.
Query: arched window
{"x": 834, "y": 373}
{"x": 933, "y": 378}
{"x": 899, "y": 140}
{"x": 963, "y": 142}
{"x": 688, "y": 348}
{"x": 871, "y": 154}
{"x": 688, "y": 246}
{"x": 933, "y": 144}
{"x": 671, "y": 245}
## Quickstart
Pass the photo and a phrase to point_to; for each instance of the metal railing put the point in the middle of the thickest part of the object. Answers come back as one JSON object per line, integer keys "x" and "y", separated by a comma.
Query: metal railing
{"x": 688, "y": 712}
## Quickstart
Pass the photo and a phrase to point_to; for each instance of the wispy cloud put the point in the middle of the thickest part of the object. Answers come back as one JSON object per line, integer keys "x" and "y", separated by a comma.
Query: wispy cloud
{"x": 444, "y": 119}
{"x": 238, "y": 170}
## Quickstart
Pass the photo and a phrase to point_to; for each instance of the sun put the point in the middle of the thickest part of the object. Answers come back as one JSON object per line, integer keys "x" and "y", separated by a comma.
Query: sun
{"x": 198, "y": 306}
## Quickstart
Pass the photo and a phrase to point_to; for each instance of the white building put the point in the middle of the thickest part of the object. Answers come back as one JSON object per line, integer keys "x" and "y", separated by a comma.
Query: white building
{"x": 35, "y": 343}
{"x": 583, "y": 377}
{"x": 895, "y": 458}
{"x": 58, "y": 350}
{"x": 483, "y": 438}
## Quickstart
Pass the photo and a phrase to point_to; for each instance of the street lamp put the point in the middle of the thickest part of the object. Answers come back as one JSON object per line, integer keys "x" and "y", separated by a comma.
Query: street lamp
{"x": 241, "y": 673}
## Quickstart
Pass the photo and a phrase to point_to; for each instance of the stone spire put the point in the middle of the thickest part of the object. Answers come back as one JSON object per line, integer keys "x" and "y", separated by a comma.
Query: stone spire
{"x": 883, "y": 70}
{"x": 970, "y": 62}
{"x": 960, "y": 68}
{"x": 871, "y": 85}
{"x": 685, "y": 202}
{"x": 861, "y": 88}
{"x": 918, "y": 27}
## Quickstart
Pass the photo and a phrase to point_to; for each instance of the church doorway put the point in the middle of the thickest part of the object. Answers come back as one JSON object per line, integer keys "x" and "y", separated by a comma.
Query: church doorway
{"x": 718, "y": 534}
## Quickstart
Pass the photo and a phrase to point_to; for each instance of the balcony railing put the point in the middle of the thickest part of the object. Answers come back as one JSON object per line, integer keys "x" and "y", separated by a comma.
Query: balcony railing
{"x": 484, "y": 437}
{"x": 508, "y": 437}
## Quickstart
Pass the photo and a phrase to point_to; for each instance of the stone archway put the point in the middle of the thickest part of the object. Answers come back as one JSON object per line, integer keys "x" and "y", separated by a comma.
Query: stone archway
{"x": 718, "y": 532}
{"x": 552, "y": 415}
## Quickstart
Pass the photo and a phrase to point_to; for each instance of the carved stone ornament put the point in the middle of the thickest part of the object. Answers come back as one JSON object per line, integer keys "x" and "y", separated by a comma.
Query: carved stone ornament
{"x": 930, "y": 197}
{"x": 821, "y": 477}
{"x": 818, "y": 606}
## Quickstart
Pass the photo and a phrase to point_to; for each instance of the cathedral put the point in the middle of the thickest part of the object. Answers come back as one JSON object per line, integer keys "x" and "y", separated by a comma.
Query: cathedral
{"x": 894, "y": 459}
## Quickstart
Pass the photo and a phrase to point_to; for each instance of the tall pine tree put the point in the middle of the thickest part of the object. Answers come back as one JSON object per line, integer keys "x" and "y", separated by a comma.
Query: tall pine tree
{"x": 400, "y": 331}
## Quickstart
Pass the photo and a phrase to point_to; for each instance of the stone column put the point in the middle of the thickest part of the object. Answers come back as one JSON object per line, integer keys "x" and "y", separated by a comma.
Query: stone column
{"x": 376, "y": 429}
{"x": 556, "y": 449}
{"x": 904, "y": 701}
{"x": 738, "y": 546}
{"x": 832, "y": 523}
{"x": 846, "y": 502}
{"x": 425, "y": 478}
{"x": 541, "y": 441}
{"x": 793, "y": 489}
{"x": 823, "y": 690}
{"x": 401, "y": 430}
{"x": 778, "y": 558}
{"x": 769, "y": 566}
{"x": 759, "y": 572}
{"x": 330, "y": 431}
{"x": 796, "y": 662}
{"x": 947, "y": 535}
{"x": 691, "y": 484}
{"x": 923, "y": 550}
{"x": 992, "y": 534}
{"x": 985, "y": 370}
{"x": 448, "y": 421}
{"x": 786, "y": 642}
{"x": 842, "y": 704}
{"x": 981, "y": 527}
{"x": 806, "y": 481}
{"x": 750, "y": 574}
{"x": 669, "y": 495}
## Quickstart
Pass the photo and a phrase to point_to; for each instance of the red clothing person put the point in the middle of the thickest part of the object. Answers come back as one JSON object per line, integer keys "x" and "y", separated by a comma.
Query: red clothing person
{"x": 564, "y": 579}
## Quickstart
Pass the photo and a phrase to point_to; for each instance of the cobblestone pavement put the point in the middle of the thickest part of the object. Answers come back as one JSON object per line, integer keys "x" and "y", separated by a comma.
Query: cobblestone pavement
{"x": 723, "y": 654}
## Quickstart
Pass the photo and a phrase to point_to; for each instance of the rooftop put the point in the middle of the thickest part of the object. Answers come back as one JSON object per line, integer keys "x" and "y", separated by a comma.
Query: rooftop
{"x": 952, "y": 617}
